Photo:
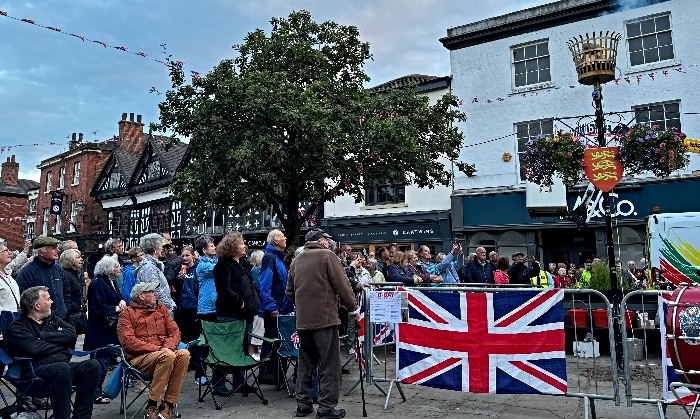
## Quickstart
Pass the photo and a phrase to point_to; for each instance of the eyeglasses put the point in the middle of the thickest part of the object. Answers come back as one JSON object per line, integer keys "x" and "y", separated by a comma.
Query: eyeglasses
{"x": 5, "y": 250}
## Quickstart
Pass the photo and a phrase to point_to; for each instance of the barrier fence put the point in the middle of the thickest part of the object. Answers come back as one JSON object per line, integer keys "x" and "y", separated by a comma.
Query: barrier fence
{"x": 586, "y": 313}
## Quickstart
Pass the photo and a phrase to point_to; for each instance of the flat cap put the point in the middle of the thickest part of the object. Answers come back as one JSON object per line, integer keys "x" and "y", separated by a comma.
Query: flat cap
{"x": 142, "y": 287}
{"x": 315, "y": 235}
{"x": 43, "y": 241}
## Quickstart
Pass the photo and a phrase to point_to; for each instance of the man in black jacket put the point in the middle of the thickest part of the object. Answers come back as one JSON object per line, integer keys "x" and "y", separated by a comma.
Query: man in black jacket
{"x": 46, "y": 339}
{"x": 45, "y": 271}
{"x": 518, "y": 273}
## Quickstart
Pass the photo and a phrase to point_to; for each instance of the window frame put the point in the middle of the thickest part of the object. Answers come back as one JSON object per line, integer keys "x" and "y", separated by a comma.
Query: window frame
{"x": 73, "y": 216}
{"x": 518, "y": 153}
{"x": 534, "y": 86}
{"x": 45, "y": 223}
{"x": 375, "y": 192}
{"x": 61, "y": 177}
{"x": 76, "y": 173}
{"x": 665, "y": 120}
{"x": 49, "y": 181}
{"x": 671, "y": 62}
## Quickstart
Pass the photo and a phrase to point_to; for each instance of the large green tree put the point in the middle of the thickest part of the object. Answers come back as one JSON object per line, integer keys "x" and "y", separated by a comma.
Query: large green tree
{"x": 288, "y": 120}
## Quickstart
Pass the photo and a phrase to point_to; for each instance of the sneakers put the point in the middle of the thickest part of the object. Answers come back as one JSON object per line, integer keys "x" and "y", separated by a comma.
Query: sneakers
{"x": 151, "y": 413}
{"x": 165, "y": 411}
{"x": 201, "y": 380}
{"x": 335, "y": 413}
{"x": 351, "y": 351}
{"x": 304, "y": 411}
{"x": 255, "y": 356}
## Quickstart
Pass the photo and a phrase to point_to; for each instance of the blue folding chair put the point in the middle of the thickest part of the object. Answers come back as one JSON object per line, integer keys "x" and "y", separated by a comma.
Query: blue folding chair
{"x": 288, "y": 352}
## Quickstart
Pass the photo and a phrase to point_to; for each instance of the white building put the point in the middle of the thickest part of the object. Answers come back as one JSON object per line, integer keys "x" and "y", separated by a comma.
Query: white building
{"x": 516, "y": 77}
{"x": 403, "y": 214}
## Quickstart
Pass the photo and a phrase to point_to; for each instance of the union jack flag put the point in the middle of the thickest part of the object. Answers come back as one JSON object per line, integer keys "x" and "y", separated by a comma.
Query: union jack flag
{"x": 484, "y": 343}
{"x": 668, "y": 371}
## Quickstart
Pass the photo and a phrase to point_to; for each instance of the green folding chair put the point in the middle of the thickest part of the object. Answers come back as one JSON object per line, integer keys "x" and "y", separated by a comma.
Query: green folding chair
{"x": 223, "y": 349}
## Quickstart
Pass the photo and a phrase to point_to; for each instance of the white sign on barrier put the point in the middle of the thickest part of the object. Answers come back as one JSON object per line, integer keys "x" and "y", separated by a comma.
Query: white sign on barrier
{"x": 385, "y": 306}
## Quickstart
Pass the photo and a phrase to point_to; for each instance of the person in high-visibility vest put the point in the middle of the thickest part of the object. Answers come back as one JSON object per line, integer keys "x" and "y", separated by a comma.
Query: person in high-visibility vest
{"x": 543, "y": 280}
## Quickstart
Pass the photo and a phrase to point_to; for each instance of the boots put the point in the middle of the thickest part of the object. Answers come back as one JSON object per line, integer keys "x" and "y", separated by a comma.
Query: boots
{"x": 165, "y": 410}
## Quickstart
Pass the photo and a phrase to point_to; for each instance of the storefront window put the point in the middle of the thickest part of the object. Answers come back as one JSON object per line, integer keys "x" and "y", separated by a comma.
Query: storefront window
{"x": 511, "y": 242}
{"x": 628, "y": 245}
{"x": 481, "y": 239}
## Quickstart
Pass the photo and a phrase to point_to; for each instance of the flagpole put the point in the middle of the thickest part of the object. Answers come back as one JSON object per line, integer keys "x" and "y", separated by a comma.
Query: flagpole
{"x": 616, "y": 295}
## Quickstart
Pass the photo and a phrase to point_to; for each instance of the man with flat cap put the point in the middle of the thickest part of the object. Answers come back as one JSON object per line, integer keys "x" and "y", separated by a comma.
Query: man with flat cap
{"x": 519, "y": 273}
{"x": 45, "y": 271}
{"x": 316, "y": 280}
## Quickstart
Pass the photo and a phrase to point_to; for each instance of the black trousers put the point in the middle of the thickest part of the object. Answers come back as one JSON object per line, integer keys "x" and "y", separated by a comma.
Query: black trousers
{"x": 59, "y": 377}
{"x": 319, "y": 348}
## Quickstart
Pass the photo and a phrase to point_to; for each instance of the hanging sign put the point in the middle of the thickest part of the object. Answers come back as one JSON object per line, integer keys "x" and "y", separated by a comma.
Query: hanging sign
{"x": 602, "y": 167}
{"x": 56, "y": 204}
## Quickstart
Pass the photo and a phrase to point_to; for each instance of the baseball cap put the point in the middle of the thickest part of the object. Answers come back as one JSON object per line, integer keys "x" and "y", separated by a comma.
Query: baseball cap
{"x": 518, "y": 253}
{"x": 315, "y": 235}
{"x": 166, "y": 242}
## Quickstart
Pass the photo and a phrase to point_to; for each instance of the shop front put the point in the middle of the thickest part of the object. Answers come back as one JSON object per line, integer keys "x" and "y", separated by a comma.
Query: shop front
{"x": 408, "y": 231}
{"x": 499, "y": 220}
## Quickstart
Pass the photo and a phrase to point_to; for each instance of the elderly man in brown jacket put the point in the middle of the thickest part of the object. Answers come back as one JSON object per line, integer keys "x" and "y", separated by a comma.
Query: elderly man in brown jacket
{"x": 316, "y": 280}
{"x": 150, "y": 338}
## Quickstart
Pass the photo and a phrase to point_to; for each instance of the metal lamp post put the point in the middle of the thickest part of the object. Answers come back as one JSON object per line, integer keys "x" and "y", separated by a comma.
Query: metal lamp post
{"x": 595, "y": 59}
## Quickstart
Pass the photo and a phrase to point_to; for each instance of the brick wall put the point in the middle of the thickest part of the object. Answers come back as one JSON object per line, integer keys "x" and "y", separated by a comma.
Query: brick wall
{"x": 13, "y": 231}
{"x": 91, "y": 163}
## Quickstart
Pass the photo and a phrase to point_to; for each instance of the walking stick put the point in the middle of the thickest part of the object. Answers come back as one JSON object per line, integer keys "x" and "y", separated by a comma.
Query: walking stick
{"x": 359, "y": 364}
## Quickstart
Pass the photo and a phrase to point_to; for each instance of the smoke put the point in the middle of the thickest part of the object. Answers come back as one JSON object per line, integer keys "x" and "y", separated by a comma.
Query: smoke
{"x": 623, "y": 5}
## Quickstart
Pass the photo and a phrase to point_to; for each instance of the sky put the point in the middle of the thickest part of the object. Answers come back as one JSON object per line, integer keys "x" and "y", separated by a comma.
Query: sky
{"x": 53, "y": 84}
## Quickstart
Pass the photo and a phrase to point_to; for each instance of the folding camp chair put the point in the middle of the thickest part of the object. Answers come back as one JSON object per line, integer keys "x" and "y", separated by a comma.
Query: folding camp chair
{"x": 288, "y": 352}
{"x": 20, "y": 380}
{"x": 130, "y": 373}
{"x": 224, "y": 350}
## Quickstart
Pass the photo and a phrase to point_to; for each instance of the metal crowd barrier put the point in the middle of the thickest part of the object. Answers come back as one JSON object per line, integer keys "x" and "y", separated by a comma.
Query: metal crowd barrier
{"x": 634, "y": 368}
{"x": 583, "y": 377}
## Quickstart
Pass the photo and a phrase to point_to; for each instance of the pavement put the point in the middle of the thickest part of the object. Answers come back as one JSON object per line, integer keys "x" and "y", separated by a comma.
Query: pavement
{"x": 584, "y": 375}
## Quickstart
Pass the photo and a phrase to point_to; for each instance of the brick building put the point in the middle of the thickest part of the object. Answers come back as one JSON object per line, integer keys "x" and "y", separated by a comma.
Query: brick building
{"x": 13, "y": 203}
{"x": 69, "y": 176}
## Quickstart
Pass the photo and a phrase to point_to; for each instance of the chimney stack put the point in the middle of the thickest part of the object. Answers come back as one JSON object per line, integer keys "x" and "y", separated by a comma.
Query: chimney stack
{"x": 72, "y": 143}
{"x": 131, "y": 134}
{"x": 80, "y": 137}
{"x": 10, "y": 172}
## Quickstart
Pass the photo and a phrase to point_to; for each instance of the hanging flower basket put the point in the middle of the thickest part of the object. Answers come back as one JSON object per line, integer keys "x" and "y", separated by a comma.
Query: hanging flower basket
{"x": 645, "y": 148}
{"x": 546, "y": 155}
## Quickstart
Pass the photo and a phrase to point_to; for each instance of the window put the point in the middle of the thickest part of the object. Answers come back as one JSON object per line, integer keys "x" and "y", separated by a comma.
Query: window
{"x": 76, "y": 173}
{"x": 154, "y": 170}
{"x": 160, "y": 218}
{"x": 650, "y": 40}
{"x": 30, "y": 229}
{"x": 57, "y": 230}
{"x": 48, "y": 181}
{"x": 531, "y": 64}
{"x": 114, "y": 180}
{"x": 73, "y": 216}
{"x": 61, "y": 177}
{"x": 526, "y": 131}
{"x": 385, "y": 193}
{"x": 32, "y": 206}
{"x": 45, "y": 223}
{"x": 665, "y": 115}
{"x": 120, "y": 224}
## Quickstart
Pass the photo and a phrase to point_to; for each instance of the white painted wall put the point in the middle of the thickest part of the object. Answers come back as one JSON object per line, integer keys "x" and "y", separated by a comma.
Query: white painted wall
{"x": 417, "y": 199}
{"x": 484, "y": 71}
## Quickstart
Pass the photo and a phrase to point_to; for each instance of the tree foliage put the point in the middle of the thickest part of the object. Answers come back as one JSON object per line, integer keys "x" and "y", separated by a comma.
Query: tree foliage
{"x": 288, "y": 120}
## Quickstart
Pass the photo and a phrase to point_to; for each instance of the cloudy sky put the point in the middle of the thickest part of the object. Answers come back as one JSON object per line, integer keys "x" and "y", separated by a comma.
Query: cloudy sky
{"x": 53, "y": 84}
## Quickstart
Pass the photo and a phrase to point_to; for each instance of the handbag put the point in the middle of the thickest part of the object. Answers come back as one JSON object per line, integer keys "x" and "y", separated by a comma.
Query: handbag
{"x": 79, "y": 321}
{"x": 111, "y": 321}
{"x": 114, "y": 385}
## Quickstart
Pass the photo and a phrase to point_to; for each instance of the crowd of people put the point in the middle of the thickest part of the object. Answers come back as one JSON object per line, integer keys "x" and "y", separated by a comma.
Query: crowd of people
{"x": 158, "y": 300}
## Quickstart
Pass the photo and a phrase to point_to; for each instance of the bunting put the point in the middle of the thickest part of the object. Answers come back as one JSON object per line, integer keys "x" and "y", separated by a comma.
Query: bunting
{"x": 178, "y": 64}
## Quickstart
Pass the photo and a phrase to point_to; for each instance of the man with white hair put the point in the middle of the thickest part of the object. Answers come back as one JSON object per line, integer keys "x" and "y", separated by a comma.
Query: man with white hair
{"x": 45, "y": 271}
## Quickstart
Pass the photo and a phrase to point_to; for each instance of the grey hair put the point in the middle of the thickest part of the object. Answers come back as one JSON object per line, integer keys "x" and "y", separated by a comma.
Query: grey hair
{"x": 64, "y": 245}
{"x": 298, "y": 251}
{"x": 272, "y": 235}
{"x": 440, "y": 257}
{"x": 150, "y": 242}
{"x": 105, "y": 266}
{"x": 68, "y": 257}
{"x": 111, "y": 244}
{"x": 256, "y": 257}
{"x": 202, "y": 242}
{"x": 29, "y": 298}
